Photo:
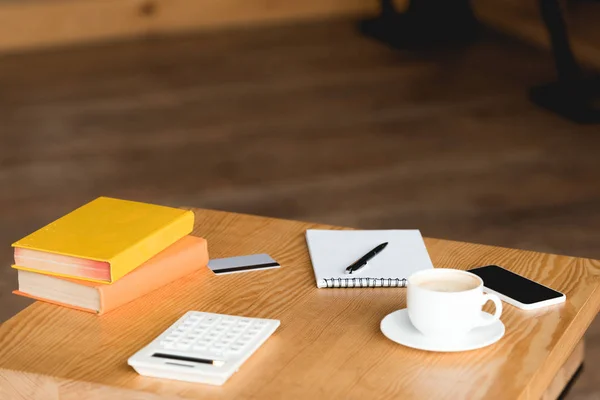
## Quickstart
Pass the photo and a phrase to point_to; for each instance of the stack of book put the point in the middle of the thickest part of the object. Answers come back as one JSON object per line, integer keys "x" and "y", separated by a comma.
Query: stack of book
{"x": 108, "y": 253}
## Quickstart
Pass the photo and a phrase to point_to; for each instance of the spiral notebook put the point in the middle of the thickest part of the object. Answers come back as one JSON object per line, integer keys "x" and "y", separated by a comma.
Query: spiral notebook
{"x": 331, "y": 251}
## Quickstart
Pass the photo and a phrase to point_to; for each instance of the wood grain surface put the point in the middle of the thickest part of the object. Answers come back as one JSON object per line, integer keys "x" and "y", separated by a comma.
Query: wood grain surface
{"x": 38, "y": 24}
{"x": 328, "y": 345}
{"x": 309, "y": 121}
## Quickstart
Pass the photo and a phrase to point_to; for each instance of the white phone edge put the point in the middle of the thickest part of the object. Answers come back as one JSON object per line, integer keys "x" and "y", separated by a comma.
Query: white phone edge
{"x": 523, "y": 306}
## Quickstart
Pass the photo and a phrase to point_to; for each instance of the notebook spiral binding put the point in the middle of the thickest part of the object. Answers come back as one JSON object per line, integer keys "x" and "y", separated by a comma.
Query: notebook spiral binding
{"x": 364, "y": 282}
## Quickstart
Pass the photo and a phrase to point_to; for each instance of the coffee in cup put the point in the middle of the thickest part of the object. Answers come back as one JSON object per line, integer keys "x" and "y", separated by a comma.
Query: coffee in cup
{"x": 449, "y": 285}
{"x": 446, "y": 303}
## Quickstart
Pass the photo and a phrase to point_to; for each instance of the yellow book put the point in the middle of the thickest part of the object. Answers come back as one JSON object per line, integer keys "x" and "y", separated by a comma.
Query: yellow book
{"x": 102, "y": 240}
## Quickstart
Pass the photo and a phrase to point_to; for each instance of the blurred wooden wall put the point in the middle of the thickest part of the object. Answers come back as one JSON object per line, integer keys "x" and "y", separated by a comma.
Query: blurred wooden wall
{"x": 42, "y": 23}
{"x": 36, "y": 23}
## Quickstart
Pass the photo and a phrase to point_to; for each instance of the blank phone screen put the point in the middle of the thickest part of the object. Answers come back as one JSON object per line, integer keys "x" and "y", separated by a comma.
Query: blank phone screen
{"x": 514, "y": 286}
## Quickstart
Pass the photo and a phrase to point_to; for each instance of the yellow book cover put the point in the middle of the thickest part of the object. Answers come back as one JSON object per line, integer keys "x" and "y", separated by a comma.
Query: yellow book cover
{"x": 103, "y": 240}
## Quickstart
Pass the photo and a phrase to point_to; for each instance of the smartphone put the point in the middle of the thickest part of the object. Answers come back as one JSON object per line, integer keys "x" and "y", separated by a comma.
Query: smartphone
{"x": 517, "y": 290}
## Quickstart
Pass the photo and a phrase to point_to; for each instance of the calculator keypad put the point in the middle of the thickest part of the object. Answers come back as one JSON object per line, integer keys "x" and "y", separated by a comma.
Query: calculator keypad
{"x": 212, "y": 334}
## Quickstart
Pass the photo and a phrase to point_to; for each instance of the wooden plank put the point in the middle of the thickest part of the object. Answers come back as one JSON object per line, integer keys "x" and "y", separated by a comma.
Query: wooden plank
{"x": 45, "y": 23}
{"x": 36, "y": 23}
{"x": 329, "y": 344}
{"x": 24, "y": 386}
{"x": 16, "y": 385}
{"x": 566, "y": 372}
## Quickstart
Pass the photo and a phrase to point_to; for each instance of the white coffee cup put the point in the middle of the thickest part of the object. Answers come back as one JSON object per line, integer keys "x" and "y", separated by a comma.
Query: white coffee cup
{"x": 446, "y": 303}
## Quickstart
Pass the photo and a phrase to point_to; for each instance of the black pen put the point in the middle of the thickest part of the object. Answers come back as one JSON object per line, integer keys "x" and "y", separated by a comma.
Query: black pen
{"x": 361, "y": 262}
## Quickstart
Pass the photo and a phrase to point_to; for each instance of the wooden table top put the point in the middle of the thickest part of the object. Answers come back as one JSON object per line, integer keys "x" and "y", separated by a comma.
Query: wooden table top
{"x": 328, "y": 345}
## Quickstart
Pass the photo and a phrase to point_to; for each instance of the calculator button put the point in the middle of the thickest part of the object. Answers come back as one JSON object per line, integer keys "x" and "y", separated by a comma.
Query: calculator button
{"x": 234, "y": 349}
{"x": 255, "y": 328}
{"x": 200, "y": 347}
{"x": 182, "y": 345}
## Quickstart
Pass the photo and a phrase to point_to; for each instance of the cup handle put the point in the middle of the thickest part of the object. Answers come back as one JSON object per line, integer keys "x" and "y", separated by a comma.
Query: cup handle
{"x": 491, "y": 297}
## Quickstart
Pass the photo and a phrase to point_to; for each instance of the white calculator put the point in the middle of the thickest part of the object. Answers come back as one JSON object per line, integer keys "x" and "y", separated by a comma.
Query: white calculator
{"x": 203, "y": 347}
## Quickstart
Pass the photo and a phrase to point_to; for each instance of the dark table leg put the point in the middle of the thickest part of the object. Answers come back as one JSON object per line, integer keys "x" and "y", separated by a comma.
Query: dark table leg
{"x": 425, "y": 23}
{"x": 440, "y": 23}
{"x": 574, "y": 95}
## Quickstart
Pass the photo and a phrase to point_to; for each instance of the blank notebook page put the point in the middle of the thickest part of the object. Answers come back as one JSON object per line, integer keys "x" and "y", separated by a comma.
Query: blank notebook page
{"x": 331, "y": 251}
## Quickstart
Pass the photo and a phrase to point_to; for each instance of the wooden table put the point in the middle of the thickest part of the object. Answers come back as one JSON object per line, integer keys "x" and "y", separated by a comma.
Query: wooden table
{"x": 328, "y": 345}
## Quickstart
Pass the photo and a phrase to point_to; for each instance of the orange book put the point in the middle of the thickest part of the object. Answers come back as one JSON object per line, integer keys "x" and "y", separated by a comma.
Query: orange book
{"x": 182, "y": 258}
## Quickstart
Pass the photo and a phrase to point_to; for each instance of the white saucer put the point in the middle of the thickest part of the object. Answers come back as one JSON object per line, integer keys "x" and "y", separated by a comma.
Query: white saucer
{"x": 398, "y": 328}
